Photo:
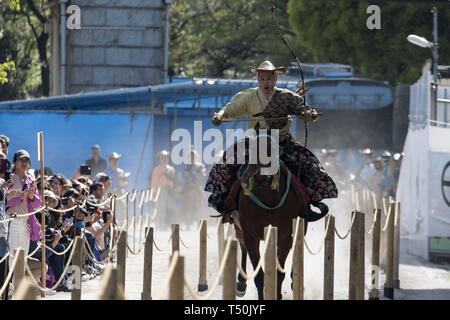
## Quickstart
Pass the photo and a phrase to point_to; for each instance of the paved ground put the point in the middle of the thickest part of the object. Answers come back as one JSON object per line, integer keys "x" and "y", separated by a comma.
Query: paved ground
{"x": 419, "y": 279}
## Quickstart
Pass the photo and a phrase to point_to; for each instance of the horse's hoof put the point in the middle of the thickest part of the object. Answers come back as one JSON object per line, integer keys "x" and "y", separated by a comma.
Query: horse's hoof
{"x": 241, "y": 288}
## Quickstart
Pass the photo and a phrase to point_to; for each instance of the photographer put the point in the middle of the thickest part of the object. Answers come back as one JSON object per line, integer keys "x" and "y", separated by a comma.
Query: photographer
{"x": 3, "y": 230}
{"x": 101, "y": 226}
{"x": 55, "y": 261}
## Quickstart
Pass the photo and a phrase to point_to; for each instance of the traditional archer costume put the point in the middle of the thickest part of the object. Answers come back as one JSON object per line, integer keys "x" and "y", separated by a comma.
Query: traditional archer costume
{"x": 300, "y": 161}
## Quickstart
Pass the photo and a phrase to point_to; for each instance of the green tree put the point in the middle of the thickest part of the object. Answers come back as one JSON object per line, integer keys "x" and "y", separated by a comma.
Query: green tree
{"x": 24, "y": 46}
{"x": 336, "y": 31}
{"x": 217, "y": 38}
{"x": 7, "y": 66}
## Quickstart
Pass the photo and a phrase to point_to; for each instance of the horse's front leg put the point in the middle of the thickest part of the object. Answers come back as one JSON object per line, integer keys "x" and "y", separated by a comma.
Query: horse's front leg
{"x": 252, "y": 246}
{"x": 283, "y": 249}
{"x": 241, "y": 286}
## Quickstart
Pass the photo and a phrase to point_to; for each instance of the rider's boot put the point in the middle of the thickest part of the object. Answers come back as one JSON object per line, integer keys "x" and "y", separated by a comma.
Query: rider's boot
{"x": 217, "y": 202}
{"x": 314, "y": 216}
{"x": 321, "y": 206}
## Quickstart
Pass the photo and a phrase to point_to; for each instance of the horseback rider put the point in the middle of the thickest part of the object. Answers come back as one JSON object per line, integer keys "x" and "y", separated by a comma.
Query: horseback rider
{"x": 263, "y": 103}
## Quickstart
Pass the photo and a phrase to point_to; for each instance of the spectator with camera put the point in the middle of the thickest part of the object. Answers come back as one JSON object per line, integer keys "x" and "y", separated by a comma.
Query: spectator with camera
{"x": 5, "y": 165}
{"x": 103, "y": 216}
{"x": 22, "y": 198}
{"x": 96, "y": 163}
{"x": 3, "y": 230}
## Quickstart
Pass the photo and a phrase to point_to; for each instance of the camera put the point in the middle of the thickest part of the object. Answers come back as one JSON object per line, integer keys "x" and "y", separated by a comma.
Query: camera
{"x": 105, "y": 215}
{"x": 49, "y": 234}
{"x": 85, "y": 170}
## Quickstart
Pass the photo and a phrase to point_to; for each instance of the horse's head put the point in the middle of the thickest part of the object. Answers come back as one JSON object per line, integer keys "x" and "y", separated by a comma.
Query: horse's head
{"x": 264, "y": 155}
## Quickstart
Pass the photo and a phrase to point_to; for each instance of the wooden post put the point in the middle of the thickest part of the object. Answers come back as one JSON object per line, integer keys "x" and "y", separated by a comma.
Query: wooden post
{"x": 148, "y": 257}
{"x": 134, "y": 223}
{"x": 202, "y": 284}
{"x": 298, "y": 260}
{"x": 356, "y": 278}
{"x": 175, "y": 238}
{"x": 328, "y": 269}
{"x": 121, "y": 259}
{"x": 110, "y": 288}
{"x": 19, "y": 269}
{"x": 270, "y": 264}
{"x": 43, "y": 259}
{"x": 128, "y": 199}
{"x": 389, "y": 284}
{"x": 140, "y": 223}
{"x": 229, "y": 273}
{"x": 176, "y": 289}
{"x": 397, "y": 248}
{"x": 26, "y": 290}
{"x": 112, "y": 207}
{"x": 374, "y": 293}
{"x": 78, "y": 256}
{"x": 220, "y": 243}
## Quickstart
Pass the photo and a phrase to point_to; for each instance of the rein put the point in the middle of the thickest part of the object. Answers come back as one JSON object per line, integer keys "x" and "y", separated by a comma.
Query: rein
{"x": 247, "y": 188}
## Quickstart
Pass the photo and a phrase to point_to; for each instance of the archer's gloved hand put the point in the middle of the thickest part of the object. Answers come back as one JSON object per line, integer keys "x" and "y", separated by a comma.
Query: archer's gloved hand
{"x": 309, "y": 114}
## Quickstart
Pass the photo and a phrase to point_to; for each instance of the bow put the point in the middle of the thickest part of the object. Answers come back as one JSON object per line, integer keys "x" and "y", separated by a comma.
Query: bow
{"x": 302, "y": 90}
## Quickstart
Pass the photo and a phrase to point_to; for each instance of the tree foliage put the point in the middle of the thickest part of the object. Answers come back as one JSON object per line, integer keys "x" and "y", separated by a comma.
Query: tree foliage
{"x": 217, "y": 38}
{"x": 24, "y": 48}
{"x": 336, "y": 31}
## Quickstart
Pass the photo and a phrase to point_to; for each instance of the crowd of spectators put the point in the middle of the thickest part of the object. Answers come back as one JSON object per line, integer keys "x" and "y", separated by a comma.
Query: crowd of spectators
{"x": 73, "y": 206}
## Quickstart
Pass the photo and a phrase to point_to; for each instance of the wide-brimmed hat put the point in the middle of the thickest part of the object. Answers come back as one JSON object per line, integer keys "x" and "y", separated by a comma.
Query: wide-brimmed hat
{"x": 367, "y": 151}
{"x": 268, "y": 66}
{"x": 114, "y": 155}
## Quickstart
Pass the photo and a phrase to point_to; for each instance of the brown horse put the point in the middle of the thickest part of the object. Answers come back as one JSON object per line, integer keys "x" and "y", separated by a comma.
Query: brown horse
{"x": 250, "y": 218}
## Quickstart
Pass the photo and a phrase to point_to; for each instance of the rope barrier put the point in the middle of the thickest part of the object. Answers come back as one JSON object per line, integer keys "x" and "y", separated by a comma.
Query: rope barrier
{"x": 35, "y": 250}
{"x": 10, "y": 273}
{"x": 216, "y": 282}
{"x": 242, "y": 272}
{"x": 60, "y": 253}
{"x": 384, "y": 207}
{"x": 16, "y": 216}
{"x": 373, "y": 224}
{"x": 168, "y": 244}
{"x": 66, "y": 210}
{"x": 323, "y": 239}
{"x": 142, "y": 245}
{"x": 4, "y": 258}
{"x": 142, "y": 199}
{"x": 27, "y": 268}
{"x": 279, "y": 267}
{"x": 374, "y": 197}
{"x": 123, "y": 196}
{"x": 172, "y": 266}
{"x": 184, "y": 245}
{"x": 217, "y": 231}
{"x": 349, "y": 230}
{"x": 133, "y": 197}
{"x": 387, "y": 220}
{"x": 396, "y": 214}
{"x": 101, "y": 204}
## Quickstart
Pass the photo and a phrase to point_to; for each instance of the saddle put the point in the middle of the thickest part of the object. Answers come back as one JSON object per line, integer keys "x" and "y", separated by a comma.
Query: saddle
{"x": 232, "y": 200}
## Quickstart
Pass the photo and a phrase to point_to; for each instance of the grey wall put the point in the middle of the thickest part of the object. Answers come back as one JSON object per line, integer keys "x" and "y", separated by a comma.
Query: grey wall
{"x": 120, "y": 44}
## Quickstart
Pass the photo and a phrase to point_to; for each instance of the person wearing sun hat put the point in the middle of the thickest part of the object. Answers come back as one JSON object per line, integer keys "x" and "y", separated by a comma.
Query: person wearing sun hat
{"x": 119, "y": 183}
{"x": 262, "y": 104}
{"x": 22, "y": 198}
